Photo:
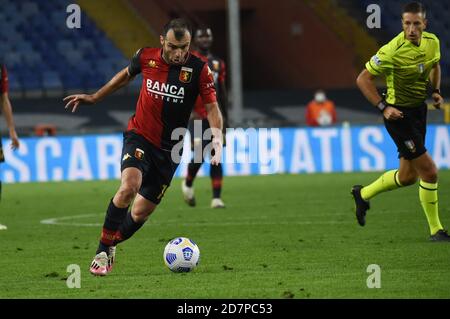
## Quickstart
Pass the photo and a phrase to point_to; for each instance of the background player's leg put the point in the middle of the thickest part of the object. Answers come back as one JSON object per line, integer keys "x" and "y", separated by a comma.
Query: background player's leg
{"x": 141, "y": 210}
{"x": 428, "y": 186}
{"x": 216, "y": 174}
{"x": 118, "y": 207}
{"x": 193, "y": 169}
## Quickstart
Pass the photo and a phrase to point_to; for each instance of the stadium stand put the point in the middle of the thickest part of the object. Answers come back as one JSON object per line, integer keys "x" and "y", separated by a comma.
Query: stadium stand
{"x": 43, "y": 55}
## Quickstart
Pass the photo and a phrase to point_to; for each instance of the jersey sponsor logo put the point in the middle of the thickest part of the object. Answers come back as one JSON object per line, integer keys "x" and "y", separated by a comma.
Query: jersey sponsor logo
{"x": 139, "y": 154}
{"x": 152, "y": 64}
{"x": 411, "y": 146}
{"x": 376, "y": 60}
{"x": 185, "y": 74}
{"x": 164, "y": 91}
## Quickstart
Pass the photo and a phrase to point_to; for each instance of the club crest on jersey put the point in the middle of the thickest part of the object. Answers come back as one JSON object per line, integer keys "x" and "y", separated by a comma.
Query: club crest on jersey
{"x": 139, "y": 154}
{"x": 411, "y": 146}
{"x": 185, "y": 74}
{"x": 216, "y": 65}
{"x": 152, "y": 63}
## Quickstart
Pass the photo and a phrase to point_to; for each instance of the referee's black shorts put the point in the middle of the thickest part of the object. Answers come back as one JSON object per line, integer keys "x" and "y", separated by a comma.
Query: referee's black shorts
{"x": 409, "y": 132}
{"x": 156, "y": 165}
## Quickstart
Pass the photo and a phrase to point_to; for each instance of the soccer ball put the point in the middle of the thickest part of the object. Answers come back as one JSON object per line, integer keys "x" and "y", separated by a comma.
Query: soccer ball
{"x": 181, "y": 255}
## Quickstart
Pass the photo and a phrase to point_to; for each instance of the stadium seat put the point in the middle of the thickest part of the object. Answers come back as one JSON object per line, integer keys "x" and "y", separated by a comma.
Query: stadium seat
{"x": 65, "y": 59}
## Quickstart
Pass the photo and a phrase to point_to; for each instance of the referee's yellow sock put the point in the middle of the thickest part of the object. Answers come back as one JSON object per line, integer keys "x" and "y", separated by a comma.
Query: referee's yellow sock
{"x": 429, "y": 200}
{"x": 386, "y": 182}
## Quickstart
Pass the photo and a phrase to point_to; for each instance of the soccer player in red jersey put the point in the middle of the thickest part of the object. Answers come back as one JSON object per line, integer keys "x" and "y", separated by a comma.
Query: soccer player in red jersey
{"x": 7, "y": 112}
{"x": 173, "y": 78}
{"x": 199, "y": 123}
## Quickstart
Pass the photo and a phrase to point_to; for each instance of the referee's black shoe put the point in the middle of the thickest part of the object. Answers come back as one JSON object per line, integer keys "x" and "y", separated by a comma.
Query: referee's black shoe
{"x": 361, "y": 206}
{"x": 441, "y": 235}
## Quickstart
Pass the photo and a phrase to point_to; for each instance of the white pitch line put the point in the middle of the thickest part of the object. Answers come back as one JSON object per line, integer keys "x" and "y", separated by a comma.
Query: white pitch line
{"x": 61, "y": 221}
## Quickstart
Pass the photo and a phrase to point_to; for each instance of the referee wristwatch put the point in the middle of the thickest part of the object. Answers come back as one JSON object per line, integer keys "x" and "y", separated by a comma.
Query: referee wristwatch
{"x": 438, "y": 91}
{"x": 381, "y": 105}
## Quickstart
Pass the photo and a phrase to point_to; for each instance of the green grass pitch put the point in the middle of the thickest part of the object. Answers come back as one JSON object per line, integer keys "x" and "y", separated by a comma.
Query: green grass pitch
{"x": 281, "y": 236}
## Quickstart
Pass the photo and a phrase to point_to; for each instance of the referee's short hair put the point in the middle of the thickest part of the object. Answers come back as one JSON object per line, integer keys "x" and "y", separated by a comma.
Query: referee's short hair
{"x": 414, "y": 7}
{"x": 179, "y": 27}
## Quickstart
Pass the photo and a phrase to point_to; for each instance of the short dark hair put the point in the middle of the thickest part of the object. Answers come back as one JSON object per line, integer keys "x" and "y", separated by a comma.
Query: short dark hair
{"x": 414, "y": 7}
{"x": 179, "y": 27}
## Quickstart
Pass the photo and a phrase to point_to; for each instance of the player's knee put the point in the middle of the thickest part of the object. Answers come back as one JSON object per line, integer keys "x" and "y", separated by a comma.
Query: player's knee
{"x": 141, "y": 216}
{"x": 430, "y": 176}
{"x": 429, "y": 173}
{"x": 127, "y": 193}
{"x": 408, "y": 180}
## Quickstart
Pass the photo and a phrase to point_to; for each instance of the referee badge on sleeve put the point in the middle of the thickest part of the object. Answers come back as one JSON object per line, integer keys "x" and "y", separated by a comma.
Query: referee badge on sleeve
{"x": 410, "y": 145}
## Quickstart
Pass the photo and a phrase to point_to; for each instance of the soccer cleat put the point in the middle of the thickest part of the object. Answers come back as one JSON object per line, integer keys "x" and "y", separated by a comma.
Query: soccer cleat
{"x": 111, "y": 258}
{"x": 361, "y": 206}
{"x": 188, "y": 194}
{"x": 3, "y": 227}
{"x": 217, "y": 203}
{"x": 441, "y": 235}
{"x": 99, "y": 266}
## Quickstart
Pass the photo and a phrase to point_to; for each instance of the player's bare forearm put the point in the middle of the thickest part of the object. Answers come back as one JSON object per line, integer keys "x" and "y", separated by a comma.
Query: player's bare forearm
{"x": 366, "y": 84}
{"x": 121, "y": 79}
{"x": 435, "y": 79}
{"x": 435, "y": 76}
{"x": 7, "y": 112}
{"x": 214, "y": 118}
{"x": 216, "y": 123}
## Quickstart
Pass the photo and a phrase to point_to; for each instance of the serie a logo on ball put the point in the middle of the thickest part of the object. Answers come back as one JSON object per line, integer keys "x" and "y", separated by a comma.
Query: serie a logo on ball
{"x": 181, "y": 255}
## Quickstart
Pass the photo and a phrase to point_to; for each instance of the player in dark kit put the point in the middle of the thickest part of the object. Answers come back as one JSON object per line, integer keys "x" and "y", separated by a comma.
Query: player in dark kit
{"x": 172, "y": 80}
{"x": 198, "y": 124}
{"x": 7, "y": 112}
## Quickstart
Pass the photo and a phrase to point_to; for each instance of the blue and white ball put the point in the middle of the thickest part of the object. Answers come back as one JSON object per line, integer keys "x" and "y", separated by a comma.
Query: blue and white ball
{"x": 181, "y": 255}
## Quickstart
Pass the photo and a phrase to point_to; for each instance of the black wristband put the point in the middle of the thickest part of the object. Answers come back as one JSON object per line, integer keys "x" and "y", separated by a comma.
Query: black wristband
{"x": 381, "y": 105}
{"x": 438, "y": 91}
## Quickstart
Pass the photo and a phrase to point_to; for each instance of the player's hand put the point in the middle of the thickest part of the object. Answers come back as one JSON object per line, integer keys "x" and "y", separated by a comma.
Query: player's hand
{"x": 390, "y": 113}
{"x": 14, "y": 140}
{"x": 438, "y": 100}
{"x": 217, "y": 145}
{"x": 76, "y": 99}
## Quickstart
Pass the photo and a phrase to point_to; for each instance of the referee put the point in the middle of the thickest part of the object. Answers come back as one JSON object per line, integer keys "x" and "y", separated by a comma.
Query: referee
{"x": 409, "y": 62}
